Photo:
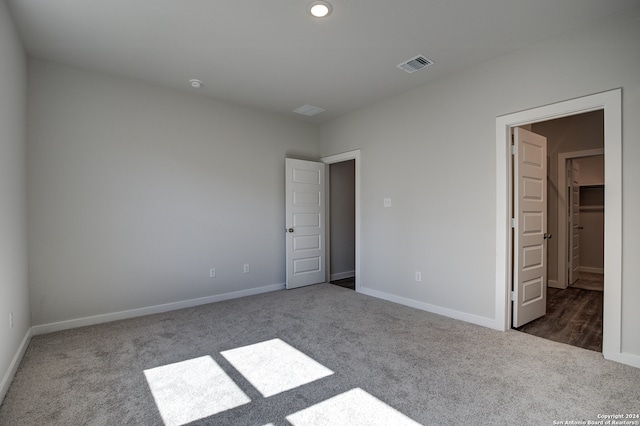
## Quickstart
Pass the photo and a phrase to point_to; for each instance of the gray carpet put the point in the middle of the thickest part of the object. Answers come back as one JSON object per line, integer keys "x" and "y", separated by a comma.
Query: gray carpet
{"x": 435, "y": 370}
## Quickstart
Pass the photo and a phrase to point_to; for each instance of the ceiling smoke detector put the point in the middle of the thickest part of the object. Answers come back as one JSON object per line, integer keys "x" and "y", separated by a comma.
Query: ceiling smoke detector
{"x": 415, "y": 64}
{"x": 308, "y": 110}
{"x": 196, "y": 84}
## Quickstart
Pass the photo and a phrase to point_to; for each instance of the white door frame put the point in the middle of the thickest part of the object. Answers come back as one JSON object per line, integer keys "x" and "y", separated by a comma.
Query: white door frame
{"x": 563, "y": 253}
{"x": 611, "y": 103}
{"x": 339, "y": 158}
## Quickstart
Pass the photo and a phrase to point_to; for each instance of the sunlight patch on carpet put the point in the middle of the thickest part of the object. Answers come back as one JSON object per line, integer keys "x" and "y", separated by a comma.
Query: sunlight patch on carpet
{"x": 274, "y": 366}
{"x": 192, "y": 390}
{"x": 354, "y": 408}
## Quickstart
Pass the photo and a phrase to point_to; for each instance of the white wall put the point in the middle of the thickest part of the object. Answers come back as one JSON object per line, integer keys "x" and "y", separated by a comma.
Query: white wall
{"x": 591, "y": 170}
{"x": 13, "y": 250}
{"x": 135, "y": 191}
{"x": 343, "y": 219}
{"x": 432, "y": 150}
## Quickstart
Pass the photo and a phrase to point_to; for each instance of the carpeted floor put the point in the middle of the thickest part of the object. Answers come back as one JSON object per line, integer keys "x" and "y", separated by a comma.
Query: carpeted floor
{"x": 435, "y": 370}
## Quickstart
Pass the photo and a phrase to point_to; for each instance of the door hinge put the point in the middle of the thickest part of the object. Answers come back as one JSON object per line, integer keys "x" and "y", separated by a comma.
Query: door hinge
{"x": 514, "y": 149}
{"x": 514, "y": 222}
{"x": 513, "y": 296}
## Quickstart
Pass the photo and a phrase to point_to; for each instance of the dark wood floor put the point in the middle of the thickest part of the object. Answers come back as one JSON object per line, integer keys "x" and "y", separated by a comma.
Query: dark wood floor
{"x": 574, "y": 317}
{"x": 349, "y": 283}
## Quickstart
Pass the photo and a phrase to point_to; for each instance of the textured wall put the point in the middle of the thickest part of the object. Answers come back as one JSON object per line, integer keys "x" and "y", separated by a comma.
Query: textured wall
{"x": 135, "y": 191}
{"x": 14, "y": 297}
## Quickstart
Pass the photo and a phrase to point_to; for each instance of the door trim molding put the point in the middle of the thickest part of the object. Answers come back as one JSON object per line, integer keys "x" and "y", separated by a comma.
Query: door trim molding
{"x": 611, "y": 102}
{"x": 339, "y": 158}
{"x": 562, "y": 206}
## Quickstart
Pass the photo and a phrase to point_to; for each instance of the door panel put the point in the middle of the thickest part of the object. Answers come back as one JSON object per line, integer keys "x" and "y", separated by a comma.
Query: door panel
{"x": 310, "y": 242}
{"x": 530, "y": 209}
{"x": 533, "y": 290}
{"x": 305, "y": 222}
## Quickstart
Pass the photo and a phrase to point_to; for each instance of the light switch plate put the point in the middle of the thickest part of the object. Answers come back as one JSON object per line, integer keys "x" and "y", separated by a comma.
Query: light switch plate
{"x": 387, "y": 202}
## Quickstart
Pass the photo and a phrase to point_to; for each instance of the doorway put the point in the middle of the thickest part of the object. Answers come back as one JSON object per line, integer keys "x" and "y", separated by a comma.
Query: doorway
{"x": 592, "y": 184}
{"x": 610, "y": 103}
{"x": 343, "y": 213}
{"x": 574, "y": 305}
{"x": 342, "y": 224}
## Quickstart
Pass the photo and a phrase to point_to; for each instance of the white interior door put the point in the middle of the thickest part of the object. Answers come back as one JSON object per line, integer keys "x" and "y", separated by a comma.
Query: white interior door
{"x": 530, "y": 210}
{"x": 574, "y": 220}
{"x": 305, "y": 222}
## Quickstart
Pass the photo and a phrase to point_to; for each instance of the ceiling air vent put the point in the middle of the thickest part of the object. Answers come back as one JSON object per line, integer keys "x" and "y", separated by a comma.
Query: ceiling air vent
{"x": 415, "y": 64}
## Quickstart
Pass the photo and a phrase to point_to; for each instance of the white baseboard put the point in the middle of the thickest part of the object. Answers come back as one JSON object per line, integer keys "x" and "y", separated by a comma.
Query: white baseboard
{"x": 115, "y": 316}
{"x": 591, "y": 270}
{"x": 462, "y": 316}
{"x": 342, "y": 275}
{"x": 554, "y": 284}
{"x": 15, "y": 363}
{"x": 624, "y": 358}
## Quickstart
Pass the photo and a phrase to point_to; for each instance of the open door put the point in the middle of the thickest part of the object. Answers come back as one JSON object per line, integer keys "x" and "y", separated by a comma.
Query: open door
{"x": 530, "y": 209}
{"x": 574, "y": 220}
{"x": 305, "y": 222}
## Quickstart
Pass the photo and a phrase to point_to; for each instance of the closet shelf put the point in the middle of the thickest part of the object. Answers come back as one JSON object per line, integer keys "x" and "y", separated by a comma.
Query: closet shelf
{"x": 591, "y": 208}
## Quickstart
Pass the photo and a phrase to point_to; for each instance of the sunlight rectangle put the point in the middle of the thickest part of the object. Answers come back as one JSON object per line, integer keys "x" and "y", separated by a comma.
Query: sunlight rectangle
{"x": 354, "y": 408}
{"x": 274, "y": 366}
{"x": 192, "y": 390}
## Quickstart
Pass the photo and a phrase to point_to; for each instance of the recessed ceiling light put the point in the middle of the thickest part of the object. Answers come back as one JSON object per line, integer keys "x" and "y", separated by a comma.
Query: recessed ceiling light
{"x": 320, "y": 9}
{"x": 196, "y": 84}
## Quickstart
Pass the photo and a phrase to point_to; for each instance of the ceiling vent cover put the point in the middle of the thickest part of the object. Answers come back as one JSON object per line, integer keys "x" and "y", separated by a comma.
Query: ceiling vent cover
{"x": 415, "y": 64}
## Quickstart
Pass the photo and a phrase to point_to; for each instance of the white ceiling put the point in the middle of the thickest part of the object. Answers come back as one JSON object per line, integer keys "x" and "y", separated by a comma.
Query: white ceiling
{"x": 272, "y": 55}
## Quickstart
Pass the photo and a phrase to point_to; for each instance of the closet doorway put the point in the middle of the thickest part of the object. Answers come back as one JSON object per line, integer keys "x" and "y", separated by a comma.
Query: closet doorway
{"x": 575, "y": 260}
{"x": 343, "y": 213}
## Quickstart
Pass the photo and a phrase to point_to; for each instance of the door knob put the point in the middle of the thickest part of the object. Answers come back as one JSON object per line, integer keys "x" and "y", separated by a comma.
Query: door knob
{"x": 547, "y": 236}
{"x": 290, "y": 230}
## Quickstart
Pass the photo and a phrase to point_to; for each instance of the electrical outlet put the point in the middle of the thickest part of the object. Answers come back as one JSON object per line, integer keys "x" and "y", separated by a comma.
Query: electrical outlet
{"x": 387, "y": 202}
{"x": 212, "y": 273}
{"x": 10, "y": 319}
{"x": 245, "y": 268}
{"x": 418, "y": 276}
